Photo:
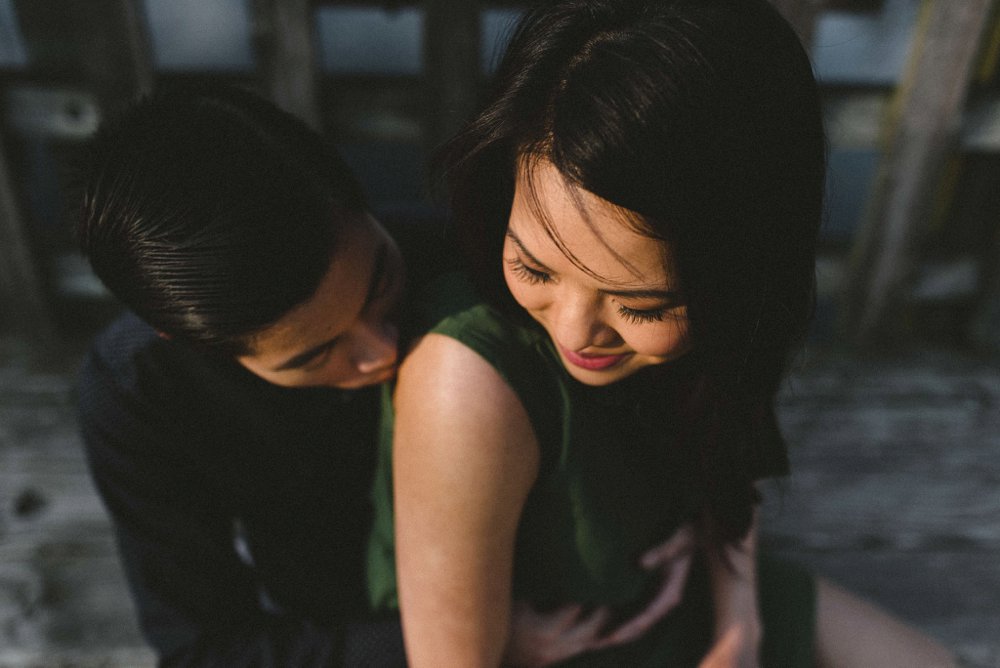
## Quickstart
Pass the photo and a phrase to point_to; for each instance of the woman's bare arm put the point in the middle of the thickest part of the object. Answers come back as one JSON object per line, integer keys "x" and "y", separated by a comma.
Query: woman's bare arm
{"x": 464, "y": 459}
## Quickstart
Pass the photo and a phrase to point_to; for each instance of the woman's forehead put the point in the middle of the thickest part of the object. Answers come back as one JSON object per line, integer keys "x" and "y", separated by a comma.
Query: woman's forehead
{"x": 552, "y": 213}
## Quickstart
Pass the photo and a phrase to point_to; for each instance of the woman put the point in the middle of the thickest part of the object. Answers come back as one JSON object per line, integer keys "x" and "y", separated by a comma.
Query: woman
{"x": 639, "y": 201}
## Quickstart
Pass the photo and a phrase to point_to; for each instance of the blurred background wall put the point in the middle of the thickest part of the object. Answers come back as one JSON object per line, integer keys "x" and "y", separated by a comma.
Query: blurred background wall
{"x": 910, "y": 91}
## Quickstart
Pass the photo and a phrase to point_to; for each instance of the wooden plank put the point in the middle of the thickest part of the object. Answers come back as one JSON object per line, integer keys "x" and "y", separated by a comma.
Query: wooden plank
{"x": 286, "y": 54}
{"x": 99, "y": 43}
{"x": 895, "y": 466}
{"x": 451, "y": 62}
{"x": 24, "y": 308}
{"x": 895, "y": 463}
{"x": 117, "y": 56}
{"x": 96, "y": 44}
{"x": 802, "y": 15}
{"x": 853, "y": 118}
{"x": 984, "y": 327}
{"x": 63, "y": 597}
{"x": 919, "y": 140}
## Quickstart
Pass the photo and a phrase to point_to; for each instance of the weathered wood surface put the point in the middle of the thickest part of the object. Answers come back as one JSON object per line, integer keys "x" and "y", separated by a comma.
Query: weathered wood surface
{"x": 801, "y": 14}
{"x": 63, "y": 601}
{"x": 451, "y": 64}
{"x": 895, "y": 494}
{"x": 24, "y": 307}
{"x": 895, "y": 490}
{"x": 286, "y": 50}
{"x": 99, "y": 44}
{"x": 920, "y": 138}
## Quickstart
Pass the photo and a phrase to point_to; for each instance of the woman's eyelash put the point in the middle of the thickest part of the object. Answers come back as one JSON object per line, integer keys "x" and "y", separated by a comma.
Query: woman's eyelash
{"x": 630, "y": 315}
{"x": 526, "y": 273}
{"x": 636, "y": 316}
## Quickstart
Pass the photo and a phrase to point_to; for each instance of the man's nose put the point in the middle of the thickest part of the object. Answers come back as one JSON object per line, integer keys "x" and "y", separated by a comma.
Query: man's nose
{"x": 376, "y": 346}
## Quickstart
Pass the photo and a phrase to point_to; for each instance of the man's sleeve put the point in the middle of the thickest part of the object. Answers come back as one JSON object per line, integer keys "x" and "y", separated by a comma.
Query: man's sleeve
{"x": 198, "y": 603}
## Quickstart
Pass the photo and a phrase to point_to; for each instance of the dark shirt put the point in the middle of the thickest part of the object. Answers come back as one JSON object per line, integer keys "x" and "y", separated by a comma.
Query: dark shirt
{"x": 242, "y": 509}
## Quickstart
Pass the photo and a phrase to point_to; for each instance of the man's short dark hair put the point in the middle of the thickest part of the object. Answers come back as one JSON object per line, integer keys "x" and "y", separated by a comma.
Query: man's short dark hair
{"x": 211, "y": 213}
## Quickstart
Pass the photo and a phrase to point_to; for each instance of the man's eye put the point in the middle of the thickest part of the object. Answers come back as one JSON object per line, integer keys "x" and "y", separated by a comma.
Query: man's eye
{"x": 318, "y": 360}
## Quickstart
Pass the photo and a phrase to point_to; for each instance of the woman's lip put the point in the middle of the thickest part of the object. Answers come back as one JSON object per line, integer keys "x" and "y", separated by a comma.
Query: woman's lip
{"x": 591, "y": 362}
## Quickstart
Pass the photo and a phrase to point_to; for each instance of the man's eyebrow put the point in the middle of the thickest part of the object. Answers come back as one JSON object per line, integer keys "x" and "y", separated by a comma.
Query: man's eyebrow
{"x": 378, "y": 272}
{"x": 304, "y": 357}
{"x": 523, "y": 249}
{"x": 636, "y": 293}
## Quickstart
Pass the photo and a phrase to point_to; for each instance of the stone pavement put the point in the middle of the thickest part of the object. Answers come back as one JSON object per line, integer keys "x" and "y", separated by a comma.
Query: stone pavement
{"x": 895, "y": 494}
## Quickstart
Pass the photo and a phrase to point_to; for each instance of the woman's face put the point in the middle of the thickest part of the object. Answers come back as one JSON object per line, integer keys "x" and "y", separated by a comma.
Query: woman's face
{"x": 620, "y": 315}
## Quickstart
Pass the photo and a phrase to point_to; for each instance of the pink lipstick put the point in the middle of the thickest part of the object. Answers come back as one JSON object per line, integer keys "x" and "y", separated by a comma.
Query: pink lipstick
{"x": 591, "y": 362}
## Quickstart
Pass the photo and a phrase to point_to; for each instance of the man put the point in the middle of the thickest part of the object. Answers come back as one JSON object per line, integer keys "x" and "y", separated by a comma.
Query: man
{"x": 222, "y": 419}
{"x": 229, "y": 418}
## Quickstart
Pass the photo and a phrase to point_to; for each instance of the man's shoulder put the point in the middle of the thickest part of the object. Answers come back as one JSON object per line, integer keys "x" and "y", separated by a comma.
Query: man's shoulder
{"x": 114, "y": 351}
{"x": 125, "y": 335}
{"x": 130, "y": 359}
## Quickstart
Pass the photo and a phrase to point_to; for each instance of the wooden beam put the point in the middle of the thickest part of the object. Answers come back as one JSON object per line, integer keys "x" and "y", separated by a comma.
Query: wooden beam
{"x": 451, "y": 61}
{"x": 802, "y": 15}
{"x": 101, "y": 44}
{"x": 926, "y": 128}
{"x": 24, "y": 309}
{"x": 286, "y": 51}
{"x": 118, "y": 62}
{"x": 97, "y": 47}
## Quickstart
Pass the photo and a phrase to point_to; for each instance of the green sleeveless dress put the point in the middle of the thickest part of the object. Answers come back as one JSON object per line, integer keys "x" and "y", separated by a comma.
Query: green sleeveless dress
{"x": 611, "y": 485}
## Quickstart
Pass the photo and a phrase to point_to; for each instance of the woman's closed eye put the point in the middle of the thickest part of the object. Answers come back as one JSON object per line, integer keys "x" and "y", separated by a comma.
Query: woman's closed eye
{"x": 638, "y": 316}
{"x": 527, "y": 274}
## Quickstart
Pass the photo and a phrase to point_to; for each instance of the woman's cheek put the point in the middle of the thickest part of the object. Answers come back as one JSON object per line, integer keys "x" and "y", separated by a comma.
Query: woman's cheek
{"x": 666, "y": 339}
{"x": 522, "y": 293}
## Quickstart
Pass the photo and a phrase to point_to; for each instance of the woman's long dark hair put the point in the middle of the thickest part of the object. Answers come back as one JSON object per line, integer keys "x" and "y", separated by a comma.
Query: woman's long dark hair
{"x": 702, "y": 117}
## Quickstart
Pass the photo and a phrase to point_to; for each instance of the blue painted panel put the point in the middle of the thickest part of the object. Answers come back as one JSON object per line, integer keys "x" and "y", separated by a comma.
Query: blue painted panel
{"x": 200, "y": 35}
{"x": 849, "y": 180}
{"x": 12, "y": 51}
{"x": 367, "y": 40}
{"x": 866, "y": 49}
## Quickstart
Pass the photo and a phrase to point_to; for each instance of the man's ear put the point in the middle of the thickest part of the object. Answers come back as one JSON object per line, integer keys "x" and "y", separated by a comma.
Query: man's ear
{"x": 163, "y": 335}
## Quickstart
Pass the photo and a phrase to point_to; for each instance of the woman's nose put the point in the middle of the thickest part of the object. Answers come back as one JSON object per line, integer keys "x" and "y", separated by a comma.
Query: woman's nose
{"x": 376, "y": 346}
{"x": 578, "y": 324}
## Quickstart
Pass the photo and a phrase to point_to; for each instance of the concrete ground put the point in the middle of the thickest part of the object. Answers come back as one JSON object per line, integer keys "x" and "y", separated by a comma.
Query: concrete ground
{"x": 895, "y": 493}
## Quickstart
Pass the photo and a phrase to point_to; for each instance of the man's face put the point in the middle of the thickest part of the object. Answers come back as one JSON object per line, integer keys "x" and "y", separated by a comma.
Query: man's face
{"x": 345, "y": 335}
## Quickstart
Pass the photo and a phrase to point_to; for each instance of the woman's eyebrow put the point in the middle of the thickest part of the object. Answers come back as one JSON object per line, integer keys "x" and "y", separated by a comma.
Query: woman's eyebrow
{"x": 667, "y": 296}
{"x": 645, "y": 293}
{"x": 527, "y": 253}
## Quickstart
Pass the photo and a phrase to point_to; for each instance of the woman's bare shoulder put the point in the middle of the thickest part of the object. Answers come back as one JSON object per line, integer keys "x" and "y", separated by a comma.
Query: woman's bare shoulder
{"x": 446, "y": 369}
{"x": 448, "y": 397}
